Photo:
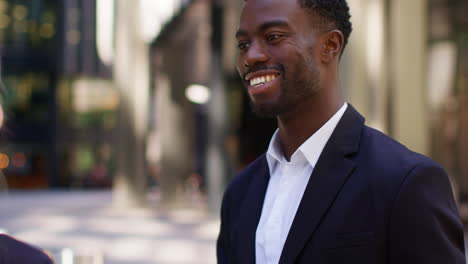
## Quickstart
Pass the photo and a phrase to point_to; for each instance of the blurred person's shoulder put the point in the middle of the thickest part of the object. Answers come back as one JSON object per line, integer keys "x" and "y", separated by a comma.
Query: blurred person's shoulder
{"x": 13, "y": 251}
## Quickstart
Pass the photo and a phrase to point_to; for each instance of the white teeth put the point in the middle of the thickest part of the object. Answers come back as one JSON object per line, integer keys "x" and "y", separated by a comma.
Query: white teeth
{"x": 262, "y": 79}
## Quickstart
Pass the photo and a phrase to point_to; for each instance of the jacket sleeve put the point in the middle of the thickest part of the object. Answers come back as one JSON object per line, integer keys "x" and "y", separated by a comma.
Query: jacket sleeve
{"x": 425, "y": 227}
{"x": 222, "y": 245}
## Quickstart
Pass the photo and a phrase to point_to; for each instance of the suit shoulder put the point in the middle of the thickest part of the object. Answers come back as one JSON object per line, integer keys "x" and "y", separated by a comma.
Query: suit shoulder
{"x": 391, "y": 169}
{"x": 389, "y": 162}
{"x": 386, "y": 150}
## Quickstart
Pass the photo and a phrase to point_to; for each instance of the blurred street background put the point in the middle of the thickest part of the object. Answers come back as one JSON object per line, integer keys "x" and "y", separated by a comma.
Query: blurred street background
{"x": 83, "y": 227}
{"x": 125, "y": 119}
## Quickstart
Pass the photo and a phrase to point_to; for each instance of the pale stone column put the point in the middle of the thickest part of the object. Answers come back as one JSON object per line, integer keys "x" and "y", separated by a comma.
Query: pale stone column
{"x": 184, "y": 58}
{"x": 364, "y": 64}
{"x": 353, "y": 75}
{"x": 376, "y": 64}
{"x": 131, "y": 75}
{"x": 216, "y": 153}
{"x": 408, "y": 38}
{"x": 174, "y": 129}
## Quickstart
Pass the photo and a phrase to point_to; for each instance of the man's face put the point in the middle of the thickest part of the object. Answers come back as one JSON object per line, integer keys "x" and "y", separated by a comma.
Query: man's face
{"x": 276, "y": 40}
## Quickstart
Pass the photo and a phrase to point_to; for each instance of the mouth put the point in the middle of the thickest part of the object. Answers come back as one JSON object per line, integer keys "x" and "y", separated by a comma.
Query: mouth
{"x": 262, "y": 83}
{"x": 261, "y": 80}
{"x": 261, "y": 77}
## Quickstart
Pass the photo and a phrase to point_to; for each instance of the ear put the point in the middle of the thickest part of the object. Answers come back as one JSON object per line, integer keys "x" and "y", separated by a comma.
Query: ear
{"x": 331, "y": 45}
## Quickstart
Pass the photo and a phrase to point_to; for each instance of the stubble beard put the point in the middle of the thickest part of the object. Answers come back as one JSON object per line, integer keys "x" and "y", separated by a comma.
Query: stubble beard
{"x": 293, "y": 91}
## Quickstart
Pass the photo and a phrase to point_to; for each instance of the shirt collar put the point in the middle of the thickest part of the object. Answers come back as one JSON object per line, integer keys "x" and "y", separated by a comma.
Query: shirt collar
{"x": 311, "y": 148}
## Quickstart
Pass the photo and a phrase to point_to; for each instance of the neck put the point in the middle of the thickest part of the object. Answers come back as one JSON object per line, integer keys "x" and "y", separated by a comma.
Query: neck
{"x": 297, "y": 126}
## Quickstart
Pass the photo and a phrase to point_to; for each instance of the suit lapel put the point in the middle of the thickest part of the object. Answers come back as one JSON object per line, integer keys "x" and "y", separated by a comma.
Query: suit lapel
{"x": 250, "y": 214}
{"x": 329, "y": 175}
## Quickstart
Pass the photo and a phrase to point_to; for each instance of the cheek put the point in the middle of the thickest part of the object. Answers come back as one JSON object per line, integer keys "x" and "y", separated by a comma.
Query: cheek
{"x": 240, "y": 65}
{"x": 290, "y": 58}
{"x": 239, "y": 71}
{"x": 289, "y": 52}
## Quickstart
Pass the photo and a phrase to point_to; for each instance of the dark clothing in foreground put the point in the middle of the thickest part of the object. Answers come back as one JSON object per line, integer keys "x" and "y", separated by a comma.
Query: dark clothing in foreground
{"x": 13, "y": 251}
{"x": 369, "y": 200}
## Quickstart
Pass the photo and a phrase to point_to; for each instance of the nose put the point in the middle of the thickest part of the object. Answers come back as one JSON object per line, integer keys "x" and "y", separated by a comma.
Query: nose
{"x": 255, "y": 54}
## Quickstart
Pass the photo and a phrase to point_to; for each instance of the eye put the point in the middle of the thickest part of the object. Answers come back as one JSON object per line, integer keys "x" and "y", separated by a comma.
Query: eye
{"x": 242, "y": 45}
{"x": 273, "y": 36}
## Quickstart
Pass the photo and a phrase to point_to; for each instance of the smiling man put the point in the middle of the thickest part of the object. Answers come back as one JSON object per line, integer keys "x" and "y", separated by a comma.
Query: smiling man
{"x": 329, "y": 189}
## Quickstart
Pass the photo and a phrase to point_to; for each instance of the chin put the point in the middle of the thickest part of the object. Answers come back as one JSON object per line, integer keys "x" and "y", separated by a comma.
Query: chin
{"x": 265, "y": 110}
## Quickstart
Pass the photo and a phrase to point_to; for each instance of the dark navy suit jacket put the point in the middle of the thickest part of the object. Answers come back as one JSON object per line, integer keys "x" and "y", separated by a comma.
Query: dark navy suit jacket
{"x": 13, "y": 251}
{"x": 369, "y": 200}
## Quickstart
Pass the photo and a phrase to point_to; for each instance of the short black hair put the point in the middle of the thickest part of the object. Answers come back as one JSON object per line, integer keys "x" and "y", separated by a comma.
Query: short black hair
{"x": 333, "y": 11}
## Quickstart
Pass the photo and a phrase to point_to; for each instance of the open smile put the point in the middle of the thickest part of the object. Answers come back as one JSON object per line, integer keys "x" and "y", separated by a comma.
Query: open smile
{"x": 261, "y": 83}
{"x": 260, "y": 80}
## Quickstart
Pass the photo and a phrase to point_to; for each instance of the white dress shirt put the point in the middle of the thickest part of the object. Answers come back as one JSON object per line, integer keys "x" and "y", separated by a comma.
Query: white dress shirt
{"x": 286, "y": 187}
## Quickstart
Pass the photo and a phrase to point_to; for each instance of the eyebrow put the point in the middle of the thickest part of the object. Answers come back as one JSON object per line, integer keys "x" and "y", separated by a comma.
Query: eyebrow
{"x": 264, "y": 26}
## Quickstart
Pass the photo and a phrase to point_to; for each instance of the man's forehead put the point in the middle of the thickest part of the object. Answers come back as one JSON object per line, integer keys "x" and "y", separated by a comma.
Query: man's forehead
{"x": 279, "y": 5}
{"x": 260, "y": 11}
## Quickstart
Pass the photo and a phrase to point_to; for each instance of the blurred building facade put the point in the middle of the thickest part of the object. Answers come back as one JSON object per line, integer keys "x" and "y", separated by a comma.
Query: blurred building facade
{"x": 93, "y": 109}
{"x": 447, "y": 88}
{"x": 59, "y": 98}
